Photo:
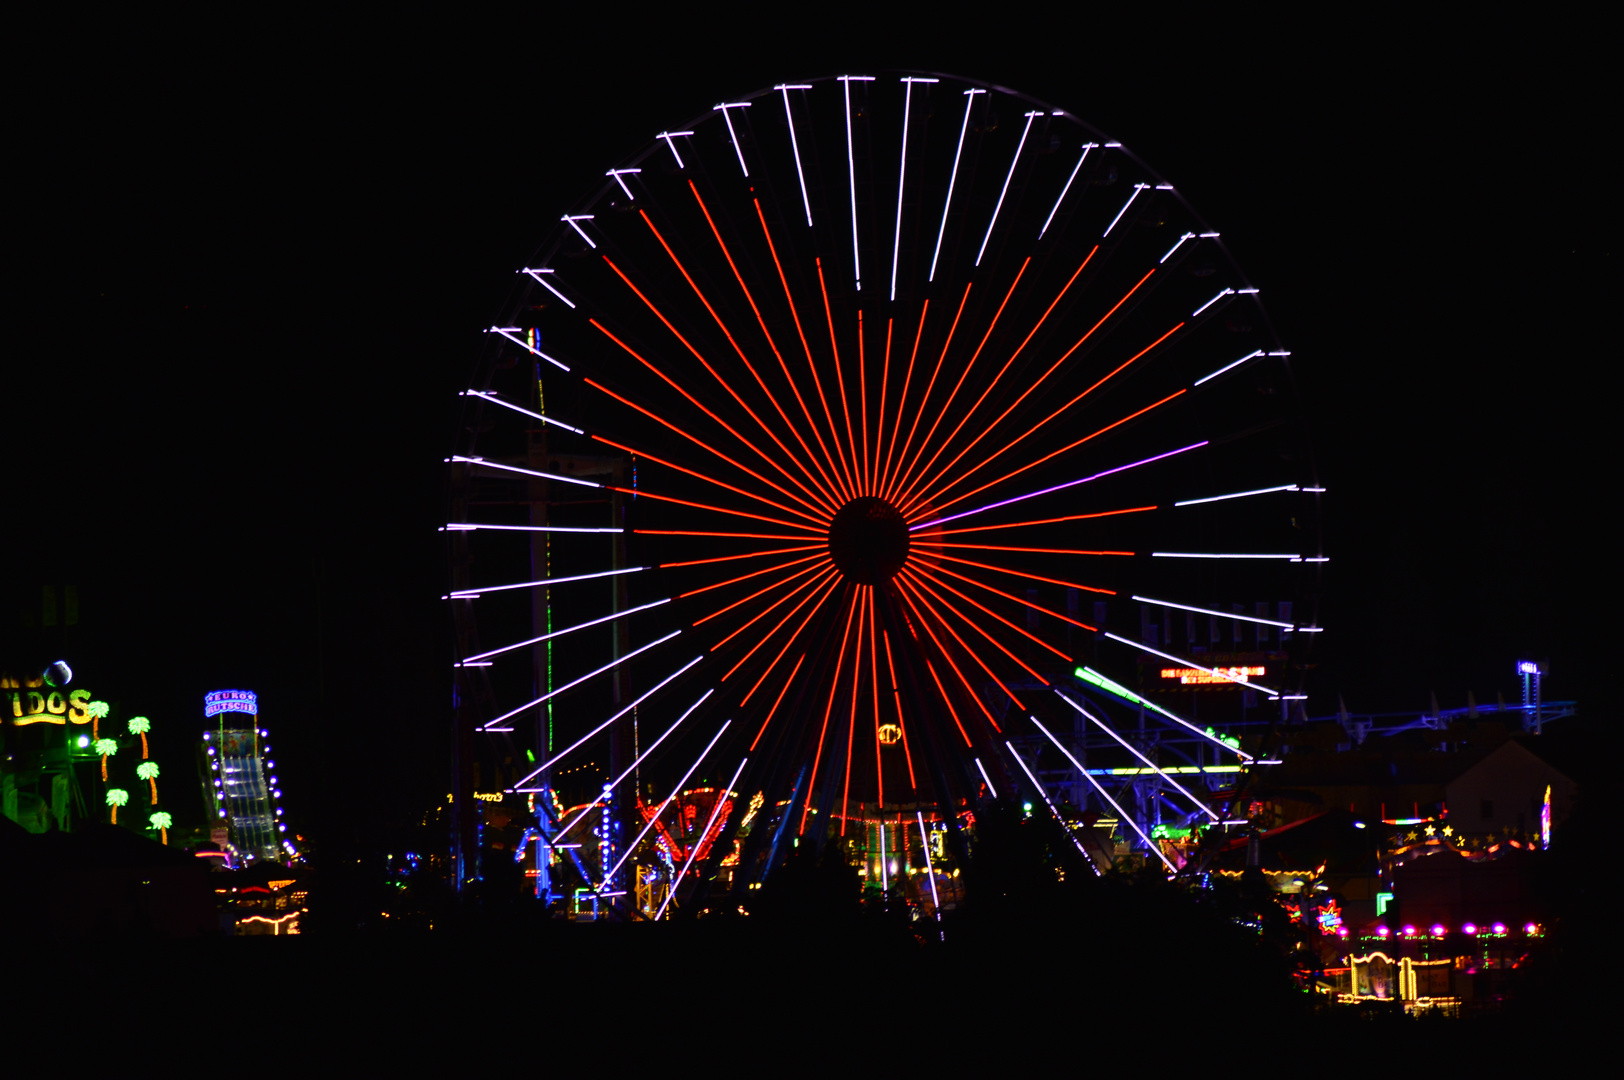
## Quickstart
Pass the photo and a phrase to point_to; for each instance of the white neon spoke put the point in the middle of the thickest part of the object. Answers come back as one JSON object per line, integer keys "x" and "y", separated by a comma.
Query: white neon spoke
{"x": 716, "y": 810}
{"x": 608, "y": 789}
{"x": 494, "y": 400}
{"x": 571, "y": 685}
{"x": 617, "y": 174}
{"x": 1175, "y": 247}
{"x": 1253, "y": 355}
{"x": 632, "y": 847}
{"x": 953, "y": 179}
{"x": 794, "y": 144}
{"x": 556, "y": 758}
{"x": 469, "y": 527}
{"x": 1057, "y": 487}
{"x": 670, "y": 140}
{"x": 571, "y": 219}
{"x": 1221, "y": 294}
{"x": 1005, "y": 189}
{"x": 1103, "y": 726}
{"x": 469, "y": 594}
{"x": 1241, "y": 494}
{"x": 1220, "y": 614}
{"x": 986, "y": 779}
{"x": 509, "y": 331}
{"x": 523, "y": 472}
{"x": 930, "y": 871}
{"x": 1123, "y": 692}
{"x": 1216, "y": 555}
{"x": 1047, "y": 802}
{"x": 1192, "y": 663}
{"x": 851, "y": 174}
{"x": 1075, "y": 169}
{"x": 1137, "y": 188}
{"x": 727, "y": 115}
{"x": 1121, "y": 813}
{"x": 544, "y": 283}
{"x": 567, "y": 630}
{"x": 902, "y": 175}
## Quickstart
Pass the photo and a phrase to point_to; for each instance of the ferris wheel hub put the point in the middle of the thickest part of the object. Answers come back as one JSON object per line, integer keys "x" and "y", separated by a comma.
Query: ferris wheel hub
{"x": 868, "y": 540}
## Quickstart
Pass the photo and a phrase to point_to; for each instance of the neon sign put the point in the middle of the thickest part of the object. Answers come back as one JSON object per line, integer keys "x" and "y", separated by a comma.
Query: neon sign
{"x": 889, "y": 734}
{"x": 236, "y": 701}
{"x": 34, "y": 701}
{"x": 1223, "y": 675}
{"x": 1330, "y": 917}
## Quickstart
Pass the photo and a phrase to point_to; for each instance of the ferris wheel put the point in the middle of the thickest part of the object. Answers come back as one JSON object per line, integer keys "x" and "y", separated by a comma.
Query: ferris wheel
{"x": 868, "y": 447}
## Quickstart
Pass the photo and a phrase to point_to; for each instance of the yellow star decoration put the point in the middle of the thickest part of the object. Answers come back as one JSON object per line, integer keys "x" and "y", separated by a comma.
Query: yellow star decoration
{"x": 1431, "y": 831}
{"x": 1449, "y": 830}
{"x": 1410, "y": 836}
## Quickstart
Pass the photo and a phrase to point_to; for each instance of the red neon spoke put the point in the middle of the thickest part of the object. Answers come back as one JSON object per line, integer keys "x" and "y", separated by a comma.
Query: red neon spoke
{"x": 874, "y": 684}
{"x": 1057, "y": 453}
{"x": 982, "y": 607}
{"x": 862, "y": 398}
{"x": 779, "y": 700}
{"x": 805, "y": 347}
{"x": 851, "y": 726}
{"x": 879, "y": 426}
{"x": 902, "y": 403}
{"x": 696, "y": 403}
{"x": 1015, "y": 441}
{"x": 747, "y": 577}
{"x": 840, "y": 378}
{"x": 827, "y": 486}
{"x": 834, "y": 684}
{"x": 828, "y": 592}
{"x": 813, "y": 583}
{"x": 907, "y": 589}
{"x": 821, "y": 518}
{"x": 978, "y": 628}
{"x": 645, "y": 494}
{"x": 1001, "y": 372}
{"x": 951, "y": 711}
{"x": 731, "y": 341}
{"x": 746, "y": 555}
{"x": 1023, "y": 574}
{"x": 1025, "y": 524}
{"x": 1001, "y": 547}
{"x": 896, "y": 694}
{"x": 965, "y": 374}
{"x": 739, "y": 536}
{"x": 814, "y": 568}
{"x": 912, "y": 431}
{"x": 1012, "y": 596}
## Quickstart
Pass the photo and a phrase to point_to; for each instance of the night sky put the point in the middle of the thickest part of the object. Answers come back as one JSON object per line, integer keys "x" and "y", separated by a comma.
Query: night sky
{"x": 256, "y": 261}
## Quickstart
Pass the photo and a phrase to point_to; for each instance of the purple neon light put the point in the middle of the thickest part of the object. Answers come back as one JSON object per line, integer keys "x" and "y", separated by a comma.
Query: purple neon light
{"x": 1057, "y": 487}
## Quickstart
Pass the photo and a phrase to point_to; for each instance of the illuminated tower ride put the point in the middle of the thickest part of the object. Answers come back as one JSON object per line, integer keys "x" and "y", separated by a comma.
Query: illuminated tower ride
{"x": 240, "y": 787}
{"x": 885, "y": 404}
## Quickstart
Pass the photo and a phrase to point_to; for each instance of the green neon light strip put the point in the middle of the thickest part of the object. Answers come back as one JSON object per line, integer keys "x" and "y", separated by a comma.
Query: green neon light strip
{"x": 1089, "y": 675}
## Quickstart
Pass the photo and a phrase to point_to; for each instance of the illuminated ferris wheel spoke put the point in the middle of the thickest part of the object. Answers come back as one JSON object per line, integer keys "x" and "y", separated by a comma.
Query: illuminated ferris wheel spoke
{"x": 1011, "y": 596}
{"x": 733, "y": 136}
{"x": 794, "y": 144}
{"x": 1230, "y": 366}
{"x": 655, "y": 817}
{"x": 746, "y": 577}
{"x": 1089, "y": 675}
{"x": 927, "y": 575}
{"x": 828, "y": 591}
{"x": 818, "y": 518}
{"x": 953, "y": 178}
{"x": 577, "y": 682}
{"x": 902, "y": 475}
{"x": 916, "y": 582}
{"x": 912, "y": 591}
{"x": 1058, "y": 487}
{"x": 1024, "y": 574}
{"x": 812, "y": 583}
{"x": 1191, "y": 664}
{"x": 874, "y": 687}
{"x": 777, "y": 701}
{"x": 1030, "y": 116}
{"x": 851, "y": 174}
{"x": 643, "y": 493}
{"x": 902, "y": 403}
{"x": 1121, "y": 813}
{"x": 460, "y": 459}
{"x": 1056, "y": 453}
{"x": 902, "y": 173}
{"x": 1103, "y": 726}
{"x": 821, "y": 496}
{"x": 1244, "y": 494}
{"x": 896, "y": 701}
{"x": 567, "y": 630}
{"x": 1075, "y": 169}
{"x": 535, "y": 273}
{"x": 879, "y": 426}
{"x": 734, "y": 558}
{"x": 828, "y": 709}
{"x": 1044, "y": 795}
{"x": 471, "y": 594}
{"x": 466, "y": 526}
{"x": 948, "y": 701}
{"x": 509, "y": 331}
{"x": 854, "y": 473}
{"x": 584, "y": 739}
{"x": 851, "y": 723}
{"x": 670, "y": 138}
{"x": 1006, "y": 547}
{"x": 722, "y": 799}
{"x": 1218, "y": 614}
{"x": 494, "y": 400}
{"x": 1026, "y": 524}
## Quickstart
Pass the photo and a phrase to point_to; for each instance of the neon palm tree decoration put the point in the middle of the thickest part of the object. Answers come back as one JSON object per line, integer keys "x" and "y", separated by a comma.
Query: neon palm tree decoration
{"x": 106, "y": 748}
{"x": 117, "y": 797}
{"x": 97, "y": 710}
{"x": 140, "y": 725}
{"x": 161, "y": 821}
{"x": 148, "y": 771}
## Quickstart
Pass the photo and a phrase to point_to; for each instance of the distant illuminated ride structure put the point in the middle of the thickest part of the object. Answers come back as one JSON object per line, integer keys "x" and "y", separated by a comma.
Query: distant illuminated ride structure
{"x": 240, "y": 786}
{"x": 867, "y": 441}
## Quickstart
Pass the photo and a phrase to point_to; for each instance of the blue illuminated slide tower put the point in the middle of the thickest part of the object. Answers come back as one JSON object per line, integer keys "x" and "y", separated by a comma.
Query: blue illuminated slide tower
{"x": 241, "y": 787}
